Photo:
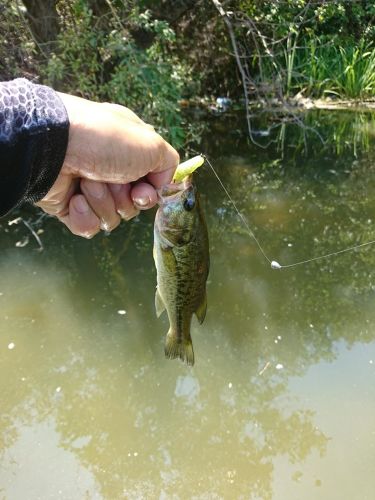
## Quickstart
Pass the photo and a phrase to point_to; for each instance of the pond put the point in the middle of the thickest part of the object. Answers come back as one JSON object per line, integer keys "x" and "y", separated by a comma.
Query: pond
{"x": 281, "y": 401}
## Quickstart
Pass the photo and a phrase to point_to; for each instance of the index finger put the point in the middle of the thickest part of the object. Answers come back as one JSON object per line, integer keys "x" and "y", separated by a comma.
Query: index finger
{"x": 163, "y": 174}
{"x": 159, "y": 179}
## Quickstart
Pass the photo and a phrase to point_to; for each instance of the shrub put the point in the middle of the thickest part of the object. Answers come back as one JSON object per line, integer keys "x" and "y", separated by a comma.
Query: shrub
{"x": 99, "y": 59}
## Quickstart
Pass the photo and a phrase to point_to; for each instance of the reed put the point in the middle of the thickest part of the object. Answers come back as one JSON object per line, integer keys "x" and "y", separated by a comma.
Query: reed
{"x": 318, "y": 68}
{"x": 346, "y": 71}
{"x": 355, "y": 76}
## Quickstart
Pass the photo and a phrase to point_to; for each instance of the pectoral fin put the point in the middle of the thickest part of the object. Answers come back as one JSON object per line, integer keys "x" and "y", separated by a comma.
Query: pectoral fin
{"x": 202, "y": 308}
{"x": 159, "y": 304}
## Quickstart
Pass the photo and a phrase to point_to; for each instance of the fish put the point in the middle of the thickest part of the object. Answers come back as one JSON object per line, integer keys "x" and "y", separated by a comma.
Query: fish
{"x": 181, "y": 254}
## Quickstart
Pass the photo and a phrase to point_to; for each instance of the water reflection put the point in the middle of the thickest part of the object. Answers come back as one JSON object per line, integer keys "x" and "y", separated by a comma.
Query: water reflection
{"x": 59, "y": 472}
{"x": 89, "y": 401}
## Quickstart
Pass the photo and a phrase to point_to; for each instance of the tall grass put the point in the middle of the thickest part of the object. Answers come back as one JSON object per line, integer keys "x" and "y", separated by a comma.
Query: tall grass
{"x": 356, "y": 72}
{"x": 320, "y": 68}
{"x": 346, "y": 71}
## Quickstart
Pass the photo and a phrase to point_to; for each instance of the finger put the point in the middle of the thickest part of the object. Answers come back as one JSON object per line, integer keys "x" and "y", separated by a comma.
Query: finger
{"x": 100, "y": 199}
{"x": 144, "y": 195}
{"x": 56, "y": 201}
{"x": 123, "y": 202}
{"x": 159, "y": 179}
{"x": 81, "y": 219}
{"x": 163, "y": 174}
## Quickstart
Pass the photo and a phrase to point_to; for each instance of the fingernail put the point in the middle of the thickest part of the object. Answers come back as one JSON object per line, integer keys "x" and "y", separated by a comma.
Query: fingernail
{"x": 81, "y": 205}
{"x": 96, "y": 189}
{"x": 88, "y": 236}
{"x": 142, "y": 202}
{"x": 126, "y": 215}
{"x": 104, "y": 226}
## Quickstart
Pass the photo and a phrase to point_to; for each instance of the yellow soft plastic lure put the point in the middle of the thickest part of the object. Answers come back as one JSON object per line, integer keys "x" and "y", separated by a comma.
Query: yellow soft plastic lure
{"x": 187, "y": 168}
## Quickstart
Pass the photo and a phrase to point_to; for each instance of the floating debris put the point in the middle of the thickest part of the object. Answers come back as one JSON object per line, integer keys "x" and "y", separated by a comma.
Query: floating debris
{"x": 223, "y": 103}
{"x": 14, "y": 221}
{"x": 264, "y": 368}
{"x": 22, "y": 243}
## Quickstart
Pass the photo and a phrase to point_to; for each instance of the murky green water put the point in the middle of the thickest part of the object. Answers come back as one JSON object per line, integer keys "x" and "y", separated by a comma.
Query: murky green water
{"x": 281, "y": 402}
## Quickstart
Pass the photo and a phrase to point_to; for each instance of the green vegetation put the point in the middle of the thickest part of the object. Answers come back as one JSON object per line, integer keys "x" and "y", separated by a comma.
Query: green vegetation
{"x": 317, "y": 48}
{"x": 101, "y": 50}
{"x": 152, "y": 56}
{"x": 319, "y": 69}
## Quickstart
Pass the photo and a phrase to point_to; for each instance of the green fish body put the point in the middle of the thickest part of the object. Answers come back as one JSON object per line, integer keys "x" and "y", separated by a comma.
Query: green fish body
{"x": 182, "y": 263}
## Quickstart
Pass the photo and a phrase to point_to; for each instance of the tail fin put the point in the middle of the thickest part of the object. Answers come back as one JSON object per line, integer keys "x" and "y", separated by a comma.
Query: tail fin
{"x": 179, "y": 348}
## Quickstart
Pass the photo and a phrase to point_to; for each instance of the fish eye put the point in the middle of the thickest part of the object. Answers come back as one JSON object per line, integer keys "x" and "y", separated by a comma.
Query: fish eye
{"x": 189, "y": 204}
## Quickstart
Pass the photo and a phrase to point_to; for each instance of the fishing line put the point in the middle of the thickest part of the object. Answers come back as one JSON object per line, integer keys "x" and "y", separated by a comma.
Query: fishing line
{"x": 251, "y": 233}
{"x": 274, "y": 263}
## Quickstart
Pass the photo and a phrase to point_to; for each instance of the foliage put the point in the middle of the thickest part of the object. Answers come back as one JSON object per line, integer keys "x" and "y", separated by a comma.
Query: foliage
{"x": 100, "y": 60}
{"x": 316, "y": 47}
{"x": 356, "y": 71}
{"x": 17, "y": 48}
{"x": 320, "y": 68}
{"x": 151, "y": 55}
{"x": 342, "y": 19}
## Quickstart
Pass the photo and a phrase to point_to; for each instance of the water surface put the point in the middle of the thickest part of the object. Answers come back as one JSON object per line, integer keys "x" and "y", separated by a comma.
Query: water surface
{"x": 281, "y": 402}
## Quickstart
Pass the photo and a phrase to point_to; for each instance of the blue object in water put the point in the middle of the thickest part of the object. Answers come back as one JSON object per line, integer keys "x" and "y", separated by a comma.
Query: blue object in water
{"x": 223, "y": 103}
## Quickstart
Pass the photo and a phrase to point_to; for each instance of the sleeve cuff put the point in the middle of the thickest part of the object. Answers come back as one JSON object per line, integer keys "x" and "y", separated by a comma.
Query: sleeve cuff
{"x": 34, "y": 133}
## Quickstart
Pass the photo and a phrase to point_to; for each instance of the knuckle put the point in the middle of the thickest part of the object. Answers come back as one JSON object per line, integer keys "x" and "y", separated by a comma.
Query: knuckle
{"x": 150, "y": 127}
{"x": 160, "y": 149}
{"x": 59, "y": 212}
{"x": 176, "y": 157}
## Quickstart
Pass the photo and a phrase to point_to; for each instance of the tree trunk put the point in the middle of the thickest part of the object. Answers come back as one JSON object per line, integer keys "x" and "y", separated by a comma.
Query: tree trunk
{"x": 43, "y": 20}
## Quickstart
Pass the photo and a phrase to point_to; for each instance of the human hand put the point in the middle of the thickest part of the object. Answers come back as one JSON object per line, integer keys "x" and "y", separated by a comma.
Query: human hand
{"x": 114, "y": 163}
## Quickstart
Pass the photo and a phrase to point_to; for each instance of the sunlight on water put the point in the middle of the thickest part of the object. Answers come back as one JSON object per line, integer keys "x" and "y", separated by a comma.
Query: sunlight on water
{"x": 281, "y": 402}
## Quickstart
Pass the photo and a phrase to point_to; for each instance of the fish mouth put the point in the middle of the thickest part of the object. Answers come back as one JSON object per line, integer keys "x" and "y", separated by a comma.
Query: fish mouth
{"x": 173, "y": 191}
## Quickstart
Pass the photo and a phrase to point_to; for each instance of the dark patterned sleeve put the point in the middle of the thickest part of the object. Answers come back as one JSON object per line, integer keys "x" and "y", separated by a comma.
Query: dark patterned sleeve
{"x": 34, "y": 129}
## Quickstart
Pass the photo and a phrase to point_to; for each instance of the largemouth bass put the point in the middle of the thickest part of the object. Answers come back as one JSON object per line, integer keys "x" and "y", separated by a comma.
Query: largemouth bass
{"x": 182, "y": 264}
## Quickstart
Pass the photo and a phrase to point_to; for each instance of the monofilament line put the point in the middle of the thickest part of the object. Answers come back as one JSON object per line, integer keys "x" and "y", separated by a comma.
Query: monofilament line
{"x": 274, "y": 263}
{"x": 251, "y": 233}
{"x": 327, "y": 255}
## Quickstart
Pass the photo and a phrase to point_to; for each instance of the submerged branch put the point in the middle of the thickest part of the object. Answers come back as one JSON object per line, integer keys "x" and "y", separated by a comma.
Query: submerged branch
{"x": 30, "y": 228}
